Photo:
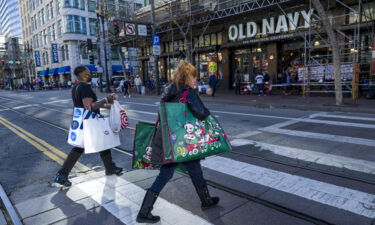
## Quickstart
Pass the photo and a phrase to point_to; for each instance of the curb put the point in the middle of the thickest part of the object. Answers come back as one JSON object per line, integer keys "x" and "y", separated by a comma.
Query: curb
{"x": 13, "y": 216}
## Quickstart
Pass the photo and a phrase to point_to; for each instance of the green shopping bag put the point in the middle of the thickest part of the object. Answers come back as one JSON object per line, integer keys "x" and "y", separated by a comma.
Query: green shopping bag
{"x": 144, "y": 133}
{"x": 186, "y": 138}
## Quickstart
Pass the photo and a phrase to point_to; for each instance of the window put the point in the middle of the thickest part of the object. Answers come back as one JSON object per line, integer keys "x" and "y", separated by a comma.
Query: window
{"x": 57, "y": 3}
{"x": 47, "y": 12}
{"x": 59, "y": 29}
{"x": 213, "y": 39}
{"x": 91, "y": 5}
{"x": 63, "y": 53}
{"x": 78, "y": 4}
{"x": 207, "y": 40}
{"x": 51, "y": 9}
{"x": 92, "y": 27}
{"x": 75, "y": 24}
{"x": 53, "y": 32}
{"x": 42, "y": 17}
{"x": 49, "y": 34}
{"x": 47, "y": 59}
{"x": 67, "y": 52}
{"x": 137, "y": 6}
{"x": 44, "y": 37}
{"x": 114, "y": 53}
{"x": 219, "y": 38}
{"x": 201, "y": 41}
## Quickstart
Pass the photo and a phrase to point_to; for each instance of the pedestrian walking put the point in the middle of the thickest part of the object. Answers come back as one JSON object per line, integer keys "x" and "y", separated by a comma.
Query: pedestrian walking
{"x": 184, "y": 78}
{"x": 213, "y": 82}
{"x": 138, "y": 83}
{"x": 260, "y": 83}
{"x": 84, "y": 97}
{"x": 127, "y": 87}
{"x": 287, "y": 81}
{"x": 237, "y": 83}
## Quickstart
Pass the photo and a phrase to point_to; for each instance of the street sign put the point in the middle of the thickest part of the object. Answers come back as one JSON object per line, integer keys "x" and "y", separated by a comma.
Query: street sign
{"x": 156, "y": 45}
{"x": 130, "y": 29}
{"x": 37, "y": 59}
{"x": 142, "y": 30}
{"x": 55, "y": 54}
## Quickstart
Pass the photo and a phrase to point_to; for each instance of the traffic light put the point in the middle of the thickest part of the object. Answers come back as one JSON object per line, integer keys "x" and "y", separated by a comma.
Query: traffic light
{"x": 91, "y": 59}
{"x": 89, "y": 44}
{"x": 116, "y": 25}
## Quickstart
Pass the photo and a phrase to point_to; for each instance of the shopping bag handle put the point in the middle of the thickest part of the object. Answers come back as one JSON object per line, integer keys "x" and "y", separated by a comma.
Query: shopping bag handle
{"x": 184, "y": 96}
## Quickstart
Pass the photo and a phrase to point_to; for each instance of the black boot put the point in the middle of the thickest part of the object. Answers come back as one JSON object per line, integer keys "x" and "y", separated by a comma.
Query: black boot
{"x": 116, "y": 170}
{"x": 144, "y": 215}
{"x": 206, "y": 199}
{"x": 110, "y": 167}
{"x": 62, "y": 179}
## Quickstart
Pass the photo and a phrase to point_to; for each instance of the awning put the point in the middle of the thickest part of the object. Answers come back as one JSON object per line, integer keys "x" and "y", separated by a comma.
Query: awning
{"x": 43, "y": 73}
{"x": 64, "y": 70}
{"x": 53, "y": 71}
{"x": 92, "y": 68}
{"x": 116, "y": 69}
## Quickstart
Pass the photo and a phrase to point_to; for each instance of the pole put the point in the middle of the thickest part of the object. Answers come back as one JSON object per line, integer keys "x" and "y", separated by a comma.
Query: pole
{"x": 98, "y": 50}
{"x": 157, "y": 83}
{"x": 108, "y": 90}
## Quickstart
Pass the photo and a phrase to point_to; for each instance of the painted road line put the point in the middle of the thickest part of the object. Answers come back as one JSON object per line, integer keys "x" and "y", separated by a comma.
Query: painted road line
{"x": 337, "y": 123}
{"x": 33, "y": 143}
{"x": 24, "y": 106}
{"x": 247, "y": 134}
{"x": 347, "y": 117}
{"x": 57, "y": 101}
{"x": 359, "y": 165}
{"x": 123, "y": 200}
{"x": 347, "y": 199}
{"x": 328, "y": 137}
{"x": 81, "y": 167}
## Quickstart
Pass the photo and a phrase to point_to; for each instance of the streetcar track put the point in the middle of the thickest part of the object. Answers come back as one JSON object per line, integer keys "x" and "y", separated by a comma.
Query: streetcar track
{"x": 219, "y": 186}
{"x": 280, "y": 162}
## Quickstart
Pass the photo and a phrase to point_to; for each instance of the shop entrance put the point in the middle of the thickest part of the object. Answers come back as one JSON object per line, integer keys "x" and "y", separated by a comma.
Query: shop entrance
{"x": 249, "y": 65}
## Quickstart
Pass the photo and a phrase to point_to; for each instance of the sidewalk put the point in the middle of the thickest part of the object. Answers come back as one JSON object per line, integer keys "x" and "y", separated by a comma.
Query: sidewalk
{"x": 314, "y": 103}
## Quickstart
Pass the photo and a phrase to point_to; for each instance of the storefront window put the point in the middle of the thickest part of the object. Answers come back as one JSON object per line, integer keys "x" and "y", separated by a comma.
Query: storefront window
{"x": 206, "y": 40}
{"x": 368, "y": 13}
{"x": 201, "y": 41}
{"x": 219, "y": 38}
{"x": 213, "y": 39}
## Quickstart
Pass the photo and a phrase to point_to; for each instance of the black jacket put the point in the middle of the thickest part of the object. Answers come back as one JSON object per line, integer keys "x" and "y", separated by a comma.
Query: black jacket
{"x": 194, "y": 103}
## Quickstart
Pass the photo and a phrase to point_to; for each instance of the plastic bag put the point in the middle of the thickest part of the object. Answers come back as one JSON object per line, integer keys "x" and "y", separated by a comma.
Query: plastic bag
{"x": 118, "y": 119}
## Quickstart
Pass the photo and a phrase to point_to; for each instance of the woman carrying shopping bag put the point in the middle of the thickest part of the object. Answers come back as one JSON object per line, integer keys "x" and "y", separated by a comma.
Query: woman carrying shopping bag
{"x": 84, "y": 97}
{"x": 184, "y": 81}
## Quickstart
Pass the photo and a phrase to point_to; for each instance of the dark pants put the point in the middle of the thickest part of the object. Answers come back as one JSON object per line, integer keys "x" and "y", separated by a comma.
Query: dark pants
{"x": 213, "y": 90}
{"x": 77, "y": 152}
{"x": 126, "y": 91}
{"x": 237, "y": 89}
{"x": 166, "y": 173}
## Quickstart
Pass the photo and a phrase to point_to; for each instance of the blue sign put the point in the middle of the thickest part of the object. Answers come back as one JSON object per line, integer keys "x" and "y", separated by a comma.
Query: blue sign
{"x": 55, "y": 54}
{"x": 75, "y": 124}
{"x": 73, "y": 136}
{"x": 77, "y": 113}
{"x": 155, "y": 40}
{"x": 37, "y": 59}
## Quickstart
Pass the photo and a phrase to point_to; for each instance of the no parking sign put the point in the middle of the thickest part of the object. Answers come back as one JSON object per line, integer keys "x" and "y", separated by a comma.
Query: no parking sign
{"x": 130, "y": 29}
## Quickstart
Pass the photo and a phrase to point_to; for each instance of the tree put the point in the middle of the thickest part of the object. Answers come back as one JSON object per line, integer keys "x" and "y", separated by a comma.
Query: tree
{"x": 332, "y": 38}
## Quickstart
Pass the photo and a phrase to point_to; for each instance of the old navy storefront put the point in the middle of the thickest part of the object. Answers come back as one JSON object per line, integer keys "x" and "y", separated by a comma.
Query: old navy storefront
{"x": 269, "y": 45}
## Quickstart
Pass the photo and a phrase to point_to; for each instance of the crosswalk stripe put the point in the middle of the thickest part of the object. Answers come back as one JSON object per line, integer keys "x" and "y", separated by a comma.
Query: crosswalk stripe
{"x": 348, "y": 117}
{"x": 337, "y": 123}
{"x": 123, "y": 199}
{"x": 354, "y": 201}
{"x": 329, "y": 137}
{"x": 312, "y": 156}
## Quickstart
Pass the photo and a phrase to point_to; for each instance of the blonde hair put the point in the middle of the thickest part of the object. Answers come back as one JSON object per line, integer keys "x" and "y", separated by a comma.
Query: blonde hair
{"x": 185, "y": 74}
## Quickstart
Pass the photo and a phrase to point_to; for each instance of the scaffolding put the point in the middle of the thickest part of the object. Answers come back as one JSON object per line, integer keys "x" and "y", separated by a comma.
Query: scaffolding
{"x": 355, "y": 42}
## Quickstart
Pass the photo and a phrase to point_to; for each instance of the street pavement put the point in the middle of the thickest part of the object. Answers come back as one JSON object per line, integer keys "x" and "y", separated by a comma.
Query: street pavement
{"x": 288, "y": 166}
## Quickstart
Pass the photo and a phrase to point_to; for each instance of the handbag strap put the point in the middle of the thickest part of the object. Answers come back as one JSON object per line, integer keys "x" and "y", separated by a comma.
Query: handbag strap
{"x": 184, "y": 96}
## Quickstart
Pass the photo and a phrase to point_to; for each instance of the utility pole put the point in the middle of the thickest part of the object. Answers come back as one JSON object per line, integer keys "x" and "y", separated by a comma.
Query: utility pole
{"x": 157, "y": 83}
{"x": 101, "y": 14}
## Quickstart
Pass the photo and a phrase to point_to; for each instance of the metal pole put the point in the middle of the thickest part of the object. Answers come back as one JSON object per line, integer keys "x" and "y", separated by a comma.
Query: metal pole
{"x": 157, "y": 83}
{"x": 105, "y": 57}
{"x": 98, "y": 50}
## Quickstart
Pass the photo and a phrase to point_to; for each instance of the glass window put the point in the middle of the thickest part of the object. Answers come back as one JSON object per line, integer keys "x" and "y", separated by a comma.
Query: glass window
{"x": 201, "y": 41}
{"x": 42, "y": 16}
{"x": 91, "y": 5}
{"x": 47, "y": 12}
{"x": 207, "y": 40}
{"x": 92, "y": 27}
{"x": 78, "y": 4}
{"x": 59, "y": 28}
{"x": 75, "y": 24}
{"x": 51, "y": 9}
{"x": 83, "y": 25}
{"x": 63, "y": 53}
{"x": 67, "y": 52}
{"x": 57, "y": 3}
{"x": 219, "y": 38}
{"x": 114, "y": 53}
{"x": 44, "y": 37}
{"x": 213, "y": 39}
{"x": 53, "y": 31}
{"x": 49, "y": 34}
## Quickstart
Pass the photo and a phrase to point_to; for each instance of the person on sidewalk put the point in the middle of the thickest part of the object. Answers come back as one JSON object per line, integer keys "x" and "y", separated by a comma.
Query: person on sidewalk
{"x": 127, "y": 87}
{"x": 138, "y": 83}
{"x": 260, "y": 83}
{"x": 287, "y": 81}
{"x": 184, "y": 79}
{"x": 213, "y": 82}
{"x": 84, "y": 97}
{"x": 237, "y": 83}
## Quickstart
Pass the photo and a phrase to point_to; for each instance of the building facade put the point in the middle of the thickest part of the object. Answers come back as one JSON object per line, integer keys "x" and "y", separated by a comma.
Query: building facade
{"x": 10, "y": 25}
{"x": 59, "y": 34}
{"x": 266, "y": 37}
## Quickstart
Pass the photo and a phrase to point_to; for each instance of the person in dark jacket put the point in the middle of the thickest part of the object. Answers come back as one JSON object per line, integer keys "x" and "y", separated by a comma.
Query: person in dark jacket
{"x": 184, "y": 79}
{"x": 213, "y": 82}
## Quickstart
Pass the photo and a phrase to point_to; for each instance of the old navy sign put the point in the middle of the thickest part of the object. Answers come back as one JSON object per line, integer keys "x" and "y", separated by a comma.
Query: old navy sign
{"x": 37, "y": 59}
{"x": 284, "y": 23}
{"x": 55, "y": 54}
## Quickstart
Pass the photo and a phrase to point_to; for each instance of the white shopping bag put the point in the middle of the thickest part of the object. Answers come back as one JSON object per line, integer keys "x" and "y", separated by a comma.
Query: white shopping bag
{"x": 75, "y": 137}
{"x": 98, "y": 134}
{"x": 118, "y": 119}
